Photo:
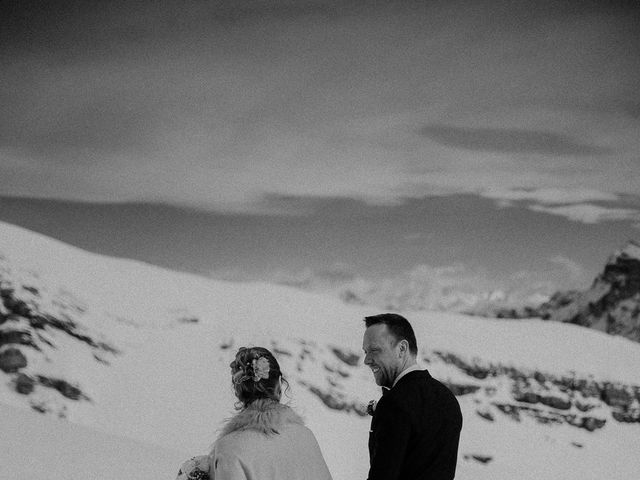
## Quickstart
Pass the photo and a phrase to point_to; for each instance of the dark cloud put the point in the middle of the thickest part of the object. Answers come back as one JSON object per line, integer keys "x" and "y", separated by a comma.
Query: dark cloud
{"x": 247, "y": 97}
{"x": 94, "y": 127}
{"x": 60, "y": 19}
{"x": 508, "y": 140}
{"x": 632, "y": 109}
{"x": 600, "y": 105}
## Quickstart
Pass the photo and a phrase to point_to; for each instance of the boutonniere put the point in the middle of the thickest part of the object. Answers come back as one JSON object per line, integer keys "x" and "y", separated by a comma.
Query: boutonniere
{"x": 371, "y": 407}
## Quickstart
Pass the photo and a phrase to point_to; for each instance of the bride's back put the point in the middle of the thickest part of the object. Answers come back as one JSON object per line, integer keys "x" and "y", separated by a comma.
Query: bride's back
{"x": 265, "y": 441}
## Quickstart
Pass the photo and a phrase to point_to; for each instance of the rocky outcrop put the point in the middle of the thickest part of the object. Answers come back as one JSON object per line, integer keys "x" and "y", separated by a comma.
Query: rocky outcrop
{"x": 496, "y": 389}
{"x": 478, "y": 458}
{"x": 350, "y": 358}
{"x": 12, "y": 360}
{"x": 611, "y": 304}
{"x": 24, "y": 384}
{"x": 461, "y": 389}
{"x": 514, "y": 411}
{"x": 21, "y": 319}
{"x": 28, "y": 328}
{"x": 68, "y": 390}
{"x": 546, "y": 397}
{"x": 335, "y": 399}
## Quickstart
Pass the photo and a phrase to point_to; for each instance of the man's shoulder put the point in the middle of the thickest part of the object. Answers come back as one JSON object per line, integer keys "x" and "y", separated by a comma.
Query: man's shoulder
{"x": 404, "y": 392}
{"x": 419, "y": 381}
{"x": 411, "y": 380}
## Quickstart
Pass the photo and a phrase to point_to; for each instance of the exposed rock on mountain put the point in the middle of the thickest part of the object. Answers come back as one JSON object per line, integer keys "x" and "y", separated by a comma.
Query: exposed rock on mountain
{"x": 547, "y": 397}
{"x": 611, "y": 305}
{"x": 573, "y": 400}
{"x": 31, "y": 318}
{"x": 12, "y": 360}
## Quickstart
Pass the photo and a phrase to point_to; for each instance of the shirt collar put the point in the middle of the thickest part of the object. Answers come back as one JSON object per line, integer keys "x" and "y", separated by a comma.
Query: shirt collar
{"x": 412, "y": 368}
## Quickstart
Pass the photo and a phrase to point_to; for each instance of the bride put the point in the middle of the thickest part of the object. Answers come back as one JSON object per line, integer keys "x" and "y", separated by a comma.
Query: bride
{"x": 265, "y": 440}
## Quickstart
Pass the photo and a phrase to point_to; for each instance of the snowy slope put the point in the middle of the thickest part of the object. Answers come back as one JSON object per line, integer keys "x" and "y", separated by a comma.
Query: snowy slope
{"x": 148, "y": 350}
{"x": 49, "y": 448}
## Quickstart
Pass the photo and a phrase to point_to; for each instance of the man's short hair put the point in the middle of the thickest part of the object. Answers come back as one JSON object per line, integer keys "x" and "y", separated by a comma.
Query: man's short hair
{"x": 399, "y": 327}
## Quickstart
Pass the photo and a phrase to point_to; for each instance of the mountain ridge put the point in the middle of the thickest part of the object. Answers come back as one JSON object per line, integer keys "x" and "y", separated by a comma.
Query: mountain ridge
{"x": 611, "y": 304}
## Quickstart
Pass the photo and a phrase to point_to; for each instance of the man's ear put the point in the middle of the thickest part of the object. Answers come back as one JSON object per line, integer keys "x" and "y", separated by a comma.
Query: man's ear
{"x": 404, "y": 346}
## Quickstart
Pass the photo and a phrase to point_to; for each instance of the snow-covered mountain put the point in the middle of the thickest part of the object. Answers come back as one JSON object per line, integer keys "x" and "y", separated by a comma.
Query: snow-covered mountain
{"x": 128, "y": 349}
{"x": 611, "y": 304}
{"x": 452, "y": 288}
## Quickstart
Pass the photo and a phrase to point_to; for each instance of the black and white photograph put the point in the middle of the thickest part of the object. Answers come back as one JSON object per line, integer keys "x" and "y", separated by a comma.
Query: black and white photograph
{"x": 319, "y": 239}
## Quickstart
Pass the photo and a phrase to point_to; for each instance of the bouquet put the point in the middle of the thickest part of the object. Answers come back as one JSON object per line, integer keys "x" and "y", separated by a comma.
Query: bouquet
{"x": 196, "y": 468}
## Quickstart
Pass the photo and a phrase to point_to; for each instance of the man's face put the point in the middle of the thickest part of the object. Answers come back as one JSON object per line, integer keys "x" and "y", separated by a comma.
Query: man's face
{"x": 382, "y": 354}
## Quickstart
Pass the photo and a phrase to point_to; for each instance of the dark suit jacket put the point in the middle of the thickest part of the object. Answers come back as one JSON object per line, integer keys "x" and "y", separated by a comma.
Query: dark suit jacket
{"x": 415, "y": 431}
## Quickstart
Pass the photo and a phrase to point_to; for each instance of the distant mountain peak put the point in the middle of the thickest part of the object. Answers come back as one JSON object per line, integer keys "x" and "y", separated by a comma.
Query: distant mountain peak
{"x": 611, "y": 304}
{"x": 630, "y": 251}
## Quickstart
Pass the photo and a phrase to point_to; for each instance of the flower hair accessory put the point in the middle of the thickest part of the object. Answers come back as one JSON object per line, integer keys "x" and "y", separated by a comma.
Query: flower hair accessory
{"x": 261, "y": 368}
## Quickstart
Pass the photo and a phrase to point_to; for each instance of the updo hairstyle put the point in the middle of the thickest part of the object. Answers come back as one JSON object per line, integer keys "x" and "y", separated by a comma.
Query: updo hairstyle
{"x": 255, "y": 374}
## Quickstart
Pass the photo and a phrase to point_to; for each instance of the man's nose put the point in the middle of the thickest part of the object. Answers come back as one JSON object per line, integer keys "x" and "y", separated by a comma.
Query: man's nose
{"x": 367, "y": 360}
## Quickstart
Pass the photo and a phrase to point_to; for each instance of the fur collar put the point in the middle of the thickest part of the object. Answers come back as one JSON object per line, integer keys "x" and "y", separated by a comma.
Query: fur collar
{"x": 264, "y": 415}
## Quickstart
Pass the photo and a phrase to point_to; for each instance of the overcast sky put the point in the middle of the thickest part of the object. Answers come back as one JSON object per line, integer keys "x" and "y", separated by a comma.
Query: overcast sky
{"x": 268, "y": 115}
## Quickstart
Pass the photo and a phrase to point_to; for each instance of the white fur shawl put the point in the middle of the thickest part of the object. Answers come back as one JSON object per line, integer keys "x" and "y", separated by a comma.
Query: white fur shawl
{"x": 264, "y": 415}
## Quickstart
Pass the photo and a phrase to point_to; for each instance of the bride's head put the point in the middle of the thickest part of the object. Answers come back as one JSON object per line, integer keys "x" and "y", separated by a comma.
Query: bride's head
{"x": 255, "y": 374}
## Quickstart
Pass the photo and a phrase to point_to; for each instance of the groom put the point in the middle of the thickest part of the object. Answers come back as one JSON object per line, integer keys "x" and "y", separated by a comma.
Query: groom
{"x": 416, "y": 424}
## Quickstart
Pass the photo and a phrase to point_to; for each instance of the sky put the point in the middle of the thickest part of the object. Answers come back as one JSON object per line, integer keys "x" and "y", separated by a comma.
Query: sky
{"x": 485, "y": 144}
